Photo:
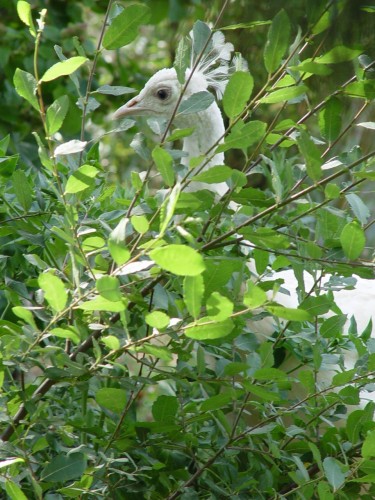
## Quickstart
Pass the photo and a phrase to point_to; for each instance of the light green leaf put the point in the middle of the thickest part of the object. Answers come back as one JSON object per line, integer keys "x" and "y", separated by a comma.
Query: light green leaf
{"x": 178, "y": 259}
{"x": 219, "y": 173}
{"x": 339, "y": 54}
{"x": 109, "y": 288}
{"x": 24, "y": 13}
{"x": 63, "y": 68}
{"x": 64, "y": 468}
{"x": 195, "y": 103}
{"x": 119, "y": 253}
{"x": 112, "y": 399}
{"x": 156, "y": 351}
{"x": 25, "y": 314}
{"x": 309, "y": 66}
{"x": 164, "y": 163}
{"x": 56, "y": 114}
{"x": 111, "y": 342}
{"x": 331, "y": 191}
{"x": 243, "y": 135}
{"x": 81, "y": 179}
{"x": 26, "y": 85}
{"x": 13, "y": 491}
{"x": 237, "y": 93}
{"x": 250, "y": 25}
{"x": 22, "y": 189}
{"x": 311, "y": 155}
{"x": 193, "y": 294}
{"x": 124, "y": 27}
{"x": 219, "y": 307}
{"x": 157, "y": 319}
{"x": 289, "y": 313}
{"x": 102, "y": 304}
{"x": 54, "y": 290}
{"x": 180, "y": 133}
{"x": 140, "y": 223}
{"x": 277, "y": 41}
{"x": 205, "y": 329}
{"x": 217, "y": 401}
{"x": 66, "y": 333}
{"x": 254, "y": 296}
{"x": 352, "y": 240}
{"x": 168, "y": 208}
{"x": 285, "y": 94}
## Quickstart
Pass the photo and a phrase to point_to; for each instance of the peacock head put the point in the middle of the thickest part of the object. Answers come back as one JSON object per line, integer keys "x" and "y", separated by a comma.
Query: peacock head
{"x": 160, "y": 95}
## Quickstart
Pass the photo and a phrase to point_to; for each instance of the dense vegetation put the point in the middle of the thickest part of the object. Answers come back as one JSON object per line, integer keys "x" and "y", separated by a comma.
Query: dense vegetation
{"x": 130, "y": 366}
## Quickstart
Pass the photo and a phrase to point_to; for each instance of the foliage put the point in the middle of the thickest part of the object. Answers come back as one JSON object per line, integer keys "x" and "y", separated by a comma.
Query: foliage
{"x": 130, "y": 360}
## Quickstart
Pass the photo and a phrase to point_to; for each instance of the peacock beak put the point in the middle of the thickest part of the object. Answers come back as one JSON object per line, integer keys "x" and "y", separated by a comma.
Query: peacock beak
{"x": 131, "y": 108}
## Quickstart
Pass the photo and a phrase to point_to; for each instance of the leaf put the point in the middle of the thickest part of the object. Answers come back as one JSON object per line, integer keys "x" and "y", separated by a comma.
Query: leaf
{"x": 311, "y": 155}
{"x": 63, "y": 68}
{"x": 54, "y": 290}
{"x": 111, "y": 342}
{"x": 333, "y": 326}
{"x": 64, "y": 468}
{"x": 180, "y": 134}
{"x": 204, "y": 329}
{"x": 140, "y": 223}
{"x": 330, "y": 119}
{"x": 169, "y": 207}
{"x": 219, "y": 307}
{"x": 269, "y": 374}
{"x": 24, "y": 13}
{"x": 56, "y": 114}
{"x": 13, "y": 491}
{"x": 277, "y": 41}
{"x": 70, "y": 147}
{"x": 81, "y": 179}
{"x": 237, "y": 93}
{"x": 309, "y": 66}
{"x": 368, "y": 447}
{"x": 250, "y": 25}
{"x": 182, "y": 60}
{"x": 201, "y": 33}
{"x": 164, "y": 163}
{"x": 124, "y": 27}
{"x": 353, "y": 240}
{"x": 115, "y": 90}
{"x": 289, "y": 313}
{"x": 26, "y": 85}
{"x": 243, "y": 135}
{"x": 165, "y": 409}
{"x": 254, "y": 296}
{"x": 368, "y": 125}
{"x": 360, "y": 210}
{"x": 178, "y": 259}
{"x": 156, "y": 351}
{"x": 111, "y": 398}
{"x": 333, "y": 471}
{"x": 339, "y": 54}
{"x": 219, "y": 173}
{"x": 119, "y": 253}
{"x": 25, "y": 314}
{"x": 195, "y": 103}
{"x": 109, "y": 288}
{"x": 102, "y": 304}
{"x": 157, "y": 319}
{"x": 193, "y": 294}
{"x": 22, "y": 189}
{"x": 65, "y": 333}
{"x": 285, "y": 94}
{"x": 217, "y": 401}
{"x": 262, "y": 393}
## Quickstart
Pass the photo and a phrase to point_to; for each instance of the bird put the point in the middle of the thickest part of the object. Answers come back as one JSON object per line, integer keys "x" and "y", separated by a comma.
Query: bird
{"x": 159, "y": 98}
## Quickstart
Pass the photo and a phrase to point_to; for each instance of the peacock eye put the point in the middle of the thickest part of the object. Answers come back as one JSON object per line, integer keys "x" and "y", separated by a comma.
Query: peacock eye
{"x": 162, "y": 94}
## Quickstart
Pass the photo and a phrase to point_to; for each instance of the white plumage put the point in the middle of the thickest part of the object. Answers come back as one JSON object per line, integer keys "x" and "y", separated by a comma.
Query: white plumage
{"x": 159, "y": 98}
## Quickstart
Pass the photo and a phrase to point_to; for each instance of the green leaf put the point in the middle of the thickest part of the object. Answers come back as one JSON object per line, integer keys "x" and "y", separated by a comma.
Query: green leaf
{"x": 243, "y": 135}
{"x": 157, "y": 319}
{"x": 269, "y": 374}
{"x": 112, "y": 399}
{"x": 252, "y": 24}
{"x": 111, "y": 342}
{"x": 333, "y": 326}
{"x": 109, "y": 288}
{"x": 102, "y": 304}
{"x": 156, "y": 351}
{"x": 25, "y": 314}
{"x": 277, "y": 41}
{"x": 114, "y": 90}
{"x": 217, "y": 401}
{"x": 289, "y": 313}
{"x": 331, "y": 191}
{"x": 311, "y": 155}
{"x": 63, "y": 68}
{"x": 309, "y": 66}
{"x": 10, "y": 461}
{"x": 165, "y": 409}
{"x": 119, "y": 253}
{"x": 12, "y": 489}
{"x": 182, "y": 60}
{"x": 353, "y": 240}
{"x": 262, "y": 393}
{"x": 205, "y": 329}
{"x": 56, "y": 114}
{"x": 64, "y": 468}
{"x": 164, "y": 163}
{"x": 124, "y": 27}
{"x": 22, "y": 189}
{"x": 193, "y": 294}
{"x": 180, "y": 133}
{"x": 219, "y": 173}
{"x": 333, "y": 471}
{"x": 195, "y": 103}
{"x": 339, "y": 54}
{"x": 168, "y": 208}
{"x": 285, "y": 94}
{"x": 81, "y": 179}
{"x": 178, "y": 259}
{"x": 201, "y": 34}
{"x": 54, "y": 290}
{"x": 237, "y": 93}
{"x": 330, "y": 119}
{"x": 140, "y": 223}
{"x": 24, "y": 13}
{"x": 360, "y": 209}
{"x": 26, "y": 85}
{"x": 219, "y": 307}
{"x": 254, "y": 296}
{"x": 65, "y": 333}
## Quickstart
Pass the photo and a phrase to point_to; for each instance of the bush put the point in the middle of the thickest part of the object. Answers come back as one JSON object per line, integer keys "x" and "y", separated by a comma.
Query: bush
{"x": 146, "y": 345}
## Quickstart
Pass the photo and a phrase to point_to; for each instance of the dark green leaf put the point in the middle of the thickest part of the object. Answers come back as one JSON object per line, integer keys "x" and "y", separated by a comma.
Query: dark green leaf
{"x": 124, "y": 27}
{"x": 112, "y": 399}
{"x": 311, "y": 155}
{"x": 26, "y": 85}
{"x": 165, "y": 409}
{"x": 56, "y": 114}
{"x": 330, "y": 119}
{"x": 277, "y": 41}
{"x": 64, "y": 468}
{"x": 22, "y": 189}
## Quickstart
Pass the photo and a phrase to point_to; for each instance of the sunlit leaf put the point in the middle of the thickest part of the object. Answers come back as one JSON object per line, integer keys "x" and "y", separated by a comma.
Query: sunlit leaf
{"x": 63, "y": 68}
{"x": 352, "y": 240}
{"x": 193, "y": 294}
{"x": 54, "y": 290}
{"x": 178, "y": 259}
{"x": 237, "y": 93}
